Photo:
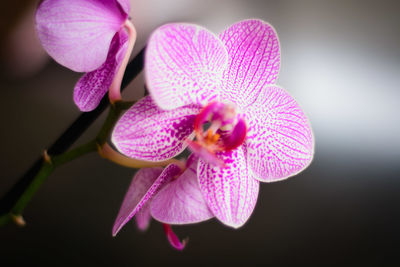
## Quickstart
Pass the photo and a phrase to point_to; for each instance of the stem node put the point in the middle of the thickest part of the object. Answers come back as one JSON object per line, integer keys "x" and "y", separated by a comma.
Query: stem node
{"x": 18, "y": 220}
{"x": 17, "y": 197}
{"x": 46, "y": 156}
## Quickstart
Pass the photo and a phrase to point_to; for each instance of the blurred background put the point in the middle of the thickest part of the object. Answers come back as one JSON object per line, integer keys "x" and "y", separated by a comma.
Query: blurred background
{"x": 340, "y": 60}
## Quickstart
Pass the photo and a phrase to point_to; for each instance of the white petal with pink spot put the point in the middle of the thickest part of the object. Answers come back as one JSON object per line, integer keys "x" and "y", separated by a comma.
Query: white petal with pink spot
{"x": 231, "y": 192}
{"x": 280, "y": 140}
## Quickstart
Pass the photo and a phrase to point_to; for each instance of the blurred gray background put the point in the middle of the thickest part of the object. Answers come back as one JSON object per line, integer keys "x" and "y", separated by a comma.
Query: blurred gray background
{"x": 340, "y": 60}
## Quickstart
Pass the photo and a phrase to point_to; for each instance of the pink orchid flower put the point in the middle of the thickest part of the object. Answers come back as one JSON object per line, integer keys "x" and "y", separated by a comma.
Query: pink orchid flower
{"x": 170, "y": 196}
{"x": 220, "y": 91}
{"x": 92, "y": 36}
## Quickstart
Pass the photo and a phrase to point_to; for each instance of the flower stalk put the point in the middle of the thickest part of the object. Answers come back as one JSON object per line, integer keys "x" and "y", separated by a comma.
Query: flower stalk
{"x": 49, "y": 164}
{"x": 14, "y": 201}
{"x": 109, "y": 153}
{"x": 114, "y": 93}
{"x": 47, "y": 168}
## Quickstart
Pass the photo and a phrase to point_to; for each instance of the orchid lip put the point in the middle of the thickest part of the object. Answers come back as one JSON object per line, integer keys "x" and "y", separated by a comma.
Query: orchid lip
{"x": 218, "y": 127}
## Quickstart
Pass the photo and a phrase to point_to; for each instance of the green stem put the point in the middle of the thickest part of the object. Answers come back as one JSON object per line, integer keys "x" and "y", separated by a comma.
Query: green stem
{"x": 48, "y": 167}
{"x": 50, "y": 163}
{"x": 112, "y": 117}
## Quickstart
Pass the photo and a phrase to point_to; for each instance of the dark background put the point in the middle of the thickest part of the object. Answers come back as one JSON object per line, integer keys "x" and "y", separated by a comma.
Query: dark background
{"x": 341, "y": 61}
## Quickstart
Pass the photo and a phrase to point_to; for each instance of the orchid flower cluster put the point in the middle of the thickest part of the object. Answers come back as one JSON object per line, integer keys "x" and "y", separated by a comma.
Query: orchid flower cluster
{"x": 214, "y": 95}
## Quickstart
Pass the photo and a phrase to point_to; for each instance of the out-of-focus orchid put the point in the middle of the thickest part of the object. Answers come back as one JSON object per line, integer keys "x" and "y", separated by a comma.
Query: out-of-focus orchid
{"x": 220, "y": 91}
{"x": 171, "y": 196}
{"x": 92, "y": 36}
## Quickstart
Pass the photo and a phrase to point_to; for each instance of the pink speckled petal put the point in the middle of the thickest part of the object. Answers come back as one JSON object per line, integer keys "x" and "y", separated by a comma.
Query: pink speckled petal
{"x": 173, "y": 238}
{"x": 146, "y": 132}
{"x": 144, "y": 185}
{"x": 93, "y": 85}
{"x": 231, "y": 192}
{"x": 254, "y": 59}
{"x": 181, "y": 201}
{"x": 141, "y": 182}
{"x": 143, "y": 217}
{"x": 78, "y": 33}
{"x": 184, "y": 65}
{"x": 280, "y": 140}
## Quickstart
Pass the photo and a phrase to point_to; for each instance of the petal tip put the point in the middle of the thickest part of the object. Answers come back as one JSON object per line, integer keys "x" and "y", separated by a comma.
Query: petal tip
{"x": 233, "y": 224}
{"x": 114, "y": 232}
{"x": 173, "y": 238}
{"x": 118, "y": 224}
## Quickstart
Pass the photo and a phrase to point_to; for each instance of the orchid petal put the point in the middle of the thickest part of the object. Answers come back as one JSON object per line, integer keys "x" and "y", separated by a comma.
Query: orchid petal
{"x": 143, "y": 217}
{"x": 280, "y": 140}
{"x": 173, "y": 238}
{"x": 141, "y": 182}
{"x": 78, "y": 33}
{"x": 125, "y": 5}
{"x": 145, "y": 184}
{"x": 181, "y": 201}
{"x": 231, "y": 192}
{"x": 146, "y": 132}
{"x": 254, "y": 59}
{"x": 184, "y": 65}
{"x": 92, "y": 86}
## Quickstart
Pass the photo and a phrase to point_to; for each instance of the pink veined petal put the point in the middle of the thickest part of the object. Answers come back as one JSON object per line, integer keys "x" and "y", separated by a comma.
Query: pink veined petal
{"x": 92, "y": 86}
{"x": 77, "y": 33}
{"x": 144, "y": 185}
{"x": 125, "y": 5}
{"x": 181, "y": 201}
{"x": 280, "y": 141}
{"x": 184, "y": 65}
{"x": 141, "y": 182}
{"x": 143, "y": 217}
{"x": 254, "y": 59}
{"x": 146, "y": 132}
{"x": 173, "y": 238}
{"x": 231, "y": 192}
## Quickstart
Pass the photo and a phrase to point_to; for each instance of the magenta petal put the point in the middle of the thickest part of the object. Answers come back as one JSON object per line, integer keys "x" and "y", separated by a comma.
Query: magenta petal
{"x": 141, "y": 183}
{"x": 125, "y": 5}
{"x": 173, "y": 238}
{"x": 181, "y": 201}
{"x": 280, "y": 140}
{"x": 231, "y": 192}
{"x": 236, "y": 137}
{"x": 184, "y": 65}
{"x": 143, "y": 217}
{"x": 146, "y": 132}
{"x": 92, "y": 86}
{"x": 254, "y": 59}
{"x": 78, "y": 33}
{"x": 144, "y": 185}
